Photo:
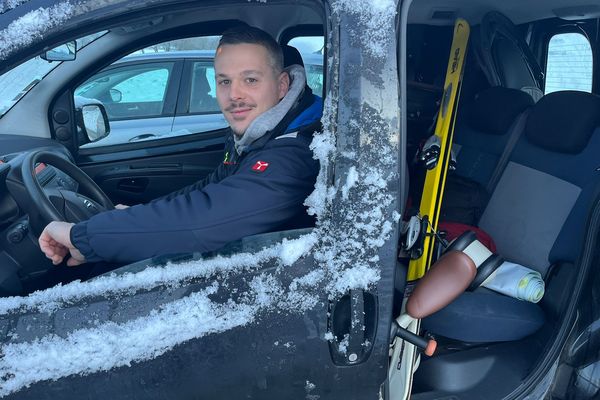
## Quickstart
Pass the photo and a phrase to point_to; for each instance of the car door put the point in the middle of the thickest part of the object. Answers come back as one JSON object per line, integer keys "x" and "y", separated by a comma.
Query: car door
{"x": 139, "y": 98}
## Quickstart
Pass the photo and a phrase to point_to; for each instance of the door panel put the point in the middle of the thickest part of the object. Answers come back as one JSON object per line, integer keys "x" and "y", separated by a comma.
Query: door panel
{"x": 135, "y": 130}
{"x": 287, "y": 342}
{"x": 147, "y": 170}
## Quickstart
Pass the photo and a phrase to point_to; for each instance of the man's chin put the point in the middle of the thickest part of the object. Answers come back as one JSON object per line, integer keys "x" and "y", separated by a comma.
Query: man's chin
{"x": 238, "y": 132}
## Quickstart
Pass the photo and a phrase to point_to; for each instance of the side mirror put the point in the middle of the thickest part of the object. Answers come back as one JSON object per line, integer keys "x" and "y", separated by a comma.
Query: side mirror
{"x": 64, "y": 52}
{"x": 92, "y": 120}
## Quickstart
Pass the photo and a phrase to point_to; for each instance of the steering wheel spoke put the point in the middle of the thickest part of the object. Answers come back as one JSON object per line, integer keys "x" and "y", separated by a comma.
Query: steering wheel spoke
{"x": 78, "y": 207}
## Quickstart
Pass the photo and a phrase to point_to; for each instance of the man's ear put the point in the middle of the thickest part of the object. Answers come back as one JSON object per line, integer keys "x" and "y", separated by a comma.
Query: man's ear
{"x": 284, "y": 84}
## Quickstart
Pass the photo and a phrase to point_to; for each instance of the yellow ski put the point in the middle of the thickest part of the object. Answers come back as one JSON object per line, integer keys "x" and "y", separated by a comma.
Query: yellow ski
{"x": 435, "y": 178}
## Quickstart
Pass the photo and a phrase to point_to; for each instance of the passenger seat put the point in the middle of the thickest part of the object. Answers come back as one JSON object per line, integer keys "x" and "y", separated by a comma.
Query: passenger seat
{"x": 485, "y": 127}
{"x": 535, "y": 215}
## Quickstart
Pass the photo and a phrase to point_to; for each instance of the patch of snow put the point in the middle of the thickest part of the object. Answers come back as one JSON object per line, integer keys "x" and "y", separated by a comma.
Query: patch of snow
{"x": 309, "y": 387}
{"x": 351, "y": 180}
{"x": 10, "y": 4}
{"x": 111, "y": 345}
{"x": 343, "y": 344}
{"x": 329, "y": 336}
{"x": 292, "y": 250}
{"x": 170, "y": 275}
{"x": 32, "y": 26}
{"x": 375, "y": 18}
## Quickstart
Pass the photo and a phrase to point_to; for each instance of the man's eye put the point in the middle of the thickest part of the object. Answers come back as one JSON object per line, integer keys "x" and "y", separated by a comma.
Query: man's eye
{"x": 224, "y": 82}
{"x": 251, "y": 80}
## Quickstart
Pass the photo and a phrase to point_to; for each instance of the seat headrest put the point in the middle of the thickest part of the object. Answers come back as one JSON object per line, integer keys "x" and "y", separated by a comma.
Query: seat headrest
{"x": 494, "y": 110}
{"x": 201, "y": 84}
{"x": 563, "y": 121}
{"x": 291, "y": 56}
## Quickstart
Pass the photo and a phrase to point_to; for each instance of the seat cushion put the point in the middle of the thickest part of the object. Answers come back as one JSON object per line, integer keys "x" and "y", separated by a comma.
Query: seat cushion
{"x": 481, "y": 317}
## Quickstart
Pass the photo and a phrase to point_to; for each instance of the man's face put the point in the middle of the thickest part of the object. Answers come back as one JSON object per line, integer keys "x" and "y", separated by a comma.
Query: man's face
{"x": 247, "y": 85}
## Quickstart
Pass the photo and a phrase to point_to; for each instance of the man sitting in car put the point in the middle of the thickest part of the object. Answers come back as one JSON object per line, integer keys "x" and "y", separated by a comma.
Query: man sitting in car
{"x": 267, "y": 172}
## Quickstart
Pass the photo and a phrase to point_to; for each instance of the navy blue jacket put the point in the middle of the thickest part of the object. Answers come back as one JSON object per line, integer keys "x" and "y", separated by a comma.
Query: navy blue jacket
{"x": 261, "y": 190}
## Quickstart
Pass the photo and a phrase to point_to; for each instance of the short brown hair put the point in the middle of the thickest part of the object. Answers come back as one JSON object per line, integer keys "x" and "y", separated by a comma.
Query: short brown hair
{"x": 252, "y": 35}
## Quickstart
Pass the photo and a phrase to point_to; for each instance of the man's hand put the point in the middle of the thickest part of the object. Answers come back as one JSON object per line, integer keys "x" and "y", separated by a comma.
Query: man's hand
{"x": 55, "y": 242}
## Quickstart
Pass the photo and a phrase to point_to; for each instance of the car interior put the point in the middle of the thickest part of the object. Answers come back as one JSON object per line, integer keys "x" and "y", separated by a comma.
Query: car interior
{"x": 131, "y": 172}
{"x": 525, "y": 174}
{"x": 526, "y": 149}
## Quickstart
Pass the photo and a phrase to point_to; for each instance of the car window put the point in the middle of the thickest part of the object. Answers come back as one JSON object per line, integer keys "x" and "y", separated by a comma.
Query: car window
{"x": 140, "y": 91}
{"x": 203, "y": 95}
{"x": 15, "y": 83}
{"x": 131, "y": 91}
{"x": 569, "y": 65}
{"x": 311, "y": 49}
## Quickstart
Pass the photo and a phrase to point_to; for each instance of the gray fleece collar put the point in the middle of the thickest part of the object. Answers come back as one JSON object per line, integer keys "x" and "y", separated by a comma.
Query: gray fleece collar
{"x": 270, "y": 118}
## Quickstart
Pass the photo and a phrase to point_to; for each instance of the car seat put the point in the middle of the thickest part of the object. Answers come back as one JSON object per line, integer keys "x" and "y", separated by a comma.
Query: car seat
{"x": 201, "y": 101}
{"x": 505, "y": 57}
{"x": 536, "y": 214}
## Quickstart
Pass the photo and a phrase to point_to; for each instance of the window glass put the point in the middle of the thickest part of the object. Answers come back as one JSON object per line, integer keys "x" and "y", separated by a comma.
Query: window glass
{"x": 569, "y": 63}
{"x": 15, "y": 83}
{"x": 135, "y": 93}
{"x": 131, "y": 91}
{"x": 203, "y": 95}
{"x": 311, "y": 49}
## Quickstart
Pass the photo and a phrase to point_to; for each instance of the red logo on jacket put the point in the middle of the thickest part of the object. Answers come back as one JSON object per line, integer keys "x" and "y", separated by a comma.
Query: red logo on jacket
{"x": 260, "y": 166}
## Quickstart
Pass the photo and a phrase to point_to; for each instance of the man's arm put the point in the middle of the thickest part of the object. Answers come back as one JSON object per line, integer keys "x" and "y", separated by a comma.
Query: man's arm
{"x": 205, "y": 219}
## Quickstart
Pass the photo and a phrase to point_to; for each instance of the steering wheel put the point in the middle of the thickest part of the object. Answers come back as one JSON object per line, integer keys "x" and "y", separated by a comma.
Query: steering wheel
{"x": 60, "y": 204}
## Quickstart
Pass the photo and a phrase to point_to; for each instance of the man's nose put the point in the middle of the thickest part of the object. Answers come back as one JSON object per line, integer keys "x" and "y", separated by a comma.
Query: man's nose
{"x": 236, "y": 91}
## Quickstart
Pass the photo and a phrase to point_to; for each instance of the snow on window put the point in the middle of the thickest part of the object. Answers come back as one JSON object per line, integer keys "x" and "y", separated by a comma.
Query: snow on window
{"x": 350, "y": 181}
{"x": 375, "y": 19}
{"x": 173, "y": 275}
{"x": 348, "y": 252}
{"x": 32, "y": 26}
{"x": 10, "y": 4}
{"x": 112, "y": 345}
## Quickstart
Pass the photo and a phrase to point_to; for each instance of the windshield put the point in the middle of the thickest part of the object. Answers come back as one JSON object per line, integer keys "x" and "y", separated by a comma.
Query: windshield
{"x": 15, "y": 83}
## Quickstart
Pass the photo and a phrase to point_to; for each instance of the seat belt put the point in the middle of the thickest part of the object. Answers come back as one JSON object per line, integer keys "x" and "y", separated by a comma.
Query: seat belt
{"x": 515, "y": 131}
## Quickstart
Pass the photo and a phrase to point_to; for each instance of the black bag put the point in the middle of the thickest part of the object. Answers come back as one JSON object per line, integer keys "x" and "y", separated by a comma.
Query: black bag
{"x": 464, "y": 200}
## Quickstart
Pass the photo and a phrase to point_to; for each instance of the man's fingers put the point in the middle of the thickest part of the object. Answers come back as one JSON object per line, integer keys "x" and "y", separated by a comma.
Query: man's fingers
{"x": 55, "y": 243}
{"x": 73, "y": 262}
{"x": 56, "y": 259}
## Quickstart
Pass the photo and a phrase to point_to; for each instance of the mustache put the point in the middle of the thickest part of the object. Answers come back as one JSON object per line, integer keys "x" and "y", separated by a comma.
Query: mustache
{"x": 235, "y": 106}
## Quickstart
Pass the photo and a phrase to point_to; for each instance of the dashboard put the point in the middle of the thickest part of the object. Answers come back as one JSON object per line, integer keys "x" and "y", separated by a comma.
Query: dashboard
{"x": 23, "y": 267}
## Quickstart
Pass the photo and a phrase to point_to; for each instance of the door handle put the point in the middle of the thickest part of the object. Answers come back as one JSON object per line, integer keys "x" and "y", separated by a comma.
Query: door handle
{"x": 143, "y": 136}
{"x": 133, "y": 185}
{"x": 352, "y": 322}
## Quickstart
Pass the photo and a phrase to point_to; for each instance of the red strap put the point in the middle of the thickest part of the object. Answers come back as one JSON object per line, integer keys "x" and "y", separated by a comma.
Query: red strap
{"x": 455, "y": 229}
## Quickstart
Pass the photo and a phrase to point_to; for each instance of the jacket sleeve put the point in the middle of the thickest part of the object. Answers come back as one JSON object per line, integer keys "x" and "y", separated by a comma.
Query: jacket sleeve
{"x": 200, "y": 220}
